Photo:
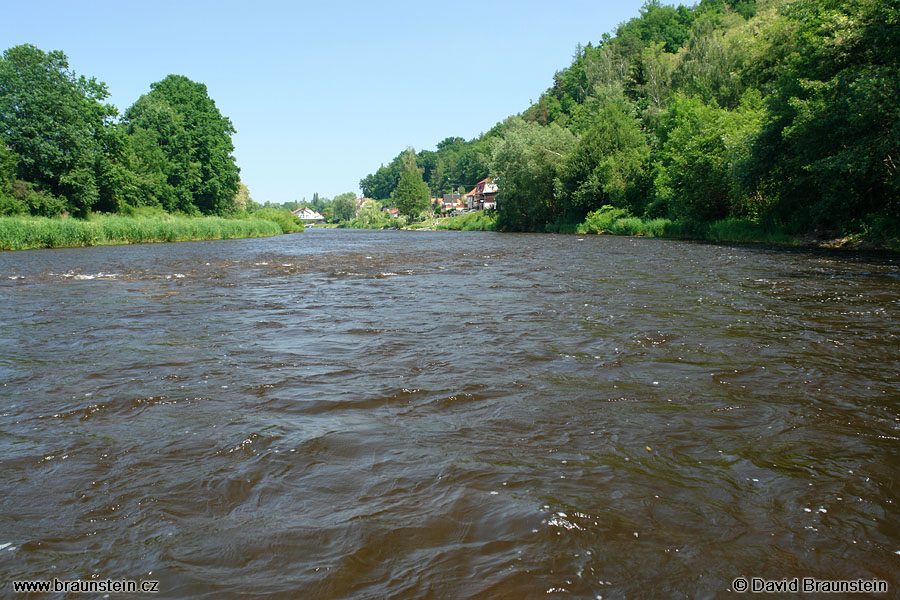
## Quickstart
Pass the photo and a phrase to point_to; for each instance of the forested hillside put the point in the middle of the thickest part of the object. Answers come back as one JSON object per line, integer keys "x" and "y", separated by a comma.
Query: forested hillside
{"x": 779, "y": 112}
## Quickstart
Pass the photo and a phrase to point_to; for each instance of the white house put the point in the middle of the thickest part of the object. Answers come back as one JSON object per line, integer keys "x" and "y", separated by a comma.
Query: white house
{"x": 482, "y": 195}
{"x": 308, "y": 215}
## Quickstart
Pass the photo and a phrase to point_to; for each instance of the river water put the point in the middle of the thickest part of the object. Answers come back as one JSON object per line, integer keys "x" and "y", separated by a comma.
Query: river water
{"x": 353, "y": 414}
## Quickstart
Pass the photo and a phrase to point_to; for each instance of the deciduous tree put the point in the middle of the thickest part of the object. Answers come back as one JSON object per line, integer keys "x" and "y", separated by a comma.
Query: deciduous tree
{"x": 183, "y": 145}
{"x": 57, "y": 124}
{"x": 411, "y": 194}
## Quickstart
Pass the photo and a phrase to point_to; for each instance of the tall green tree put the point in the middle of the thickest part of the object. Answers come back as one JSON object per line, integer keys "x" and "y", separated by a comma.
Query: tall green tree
{"x": 182, "y": 143}
{"x": 657, "y": 23}
{"x": 9, "y": 204}
{"x": 411, "y": 194}
{"x": 607, "y": 166}
{"x": 343, "y": 206}
{"x": 528, "y": 161}
{"x": 57, "y": 123}
{"x": 369, "y": 212}
{"x": 829, "y": 153}
{"x": 704, "y": 149}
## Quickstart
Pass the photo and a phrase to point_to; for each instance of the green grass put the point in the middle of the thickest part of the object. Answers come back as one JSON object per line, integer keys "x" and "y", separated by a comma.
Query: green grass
{"x": 617, "y": 221}
{"x": 475, "y": 221}
{"x": 381, "y": 222}
{"x": 24, "y": 233}
{"x": 288, "y": 222}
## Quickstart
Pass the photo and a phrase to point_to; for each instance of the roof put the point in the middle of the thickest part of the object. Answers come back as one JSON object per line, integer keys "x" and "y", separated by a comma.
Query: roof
{"x": 307, "y": 214}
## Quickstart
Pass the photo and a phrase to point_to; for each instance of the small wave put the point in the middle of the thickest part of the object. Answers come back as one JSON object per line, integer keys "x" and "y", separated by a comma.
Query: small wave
{"x": 100, "y": 275}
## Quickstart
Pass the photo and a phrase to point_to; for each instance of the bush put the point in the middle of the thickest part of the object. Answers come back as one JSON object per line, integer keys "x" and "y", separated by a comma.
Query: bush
{"x": 744, "y": 230}
{"x": 600, "y": 220}
{"x": 474, "y": 221}
{"x": 288, "y": 222}
{"x": 627, "y": 226}
{"x": 11, "y": 206}
{"x": 655, "y": 227}
{"x": 561, "y": 227}
{"x": 378, "y": 222}
{"x": 37, "y": 202}
{"x": 142, "y": 211}
{"x": 686, "y": 229}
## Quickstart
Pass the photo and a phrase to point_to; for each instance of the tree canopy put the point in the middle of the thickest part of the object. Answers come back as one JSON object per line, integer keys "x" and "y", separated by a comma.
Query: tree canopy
{"x": 63, "y": 149}
{"x": 411, "y": 194}
{"x": 57, "y": 125}
{"x": 182, "y": 145}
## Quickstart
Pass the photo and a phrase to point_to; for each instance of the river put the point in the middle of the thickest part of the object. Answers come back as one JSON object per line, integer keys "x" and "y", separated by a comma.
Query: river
{"x": 357, "y": 414}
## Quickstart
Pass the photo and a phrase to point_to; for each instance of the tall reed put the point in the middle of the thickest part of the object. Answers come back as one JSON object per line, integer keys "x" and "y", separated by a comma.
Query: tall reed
{"x": 24, "y": 233}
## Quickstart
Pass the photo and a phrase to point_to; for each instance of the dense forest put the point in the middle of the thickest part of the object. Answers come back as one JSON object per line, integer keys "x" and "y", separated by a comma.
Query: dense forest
{"x": 778, "y": 112}
{"x": 64, "y": 150}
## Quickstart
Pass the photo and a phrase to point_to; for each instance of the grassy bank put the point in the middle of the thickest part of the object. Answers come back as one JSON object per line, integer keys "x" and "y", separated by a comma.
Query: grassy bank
{"x": 614, "y": 221}
{"x": 380, "y": 222}
{"x": 475, "y": 221}
{"x": 25, "y": 233}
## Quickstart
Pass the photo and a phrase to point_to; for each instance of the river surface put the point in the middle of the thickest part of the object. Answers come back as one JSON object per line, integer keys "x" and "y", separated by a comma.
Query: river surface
{"x": 353, "y": 414}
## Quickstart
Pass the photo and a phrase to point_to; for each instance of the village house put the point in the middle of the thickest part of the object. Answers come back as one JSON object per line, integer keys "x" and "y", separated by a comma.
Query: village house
{"x": 482, "y": 196}
{"x": 450, "y": 202}
{"x": 308, "y": 216}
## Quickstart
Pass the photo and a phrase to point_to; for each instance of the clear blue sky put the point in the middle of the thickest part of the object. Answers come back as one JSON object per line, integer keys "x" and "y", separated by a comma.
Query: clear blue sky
{"x": 321, "y": 93}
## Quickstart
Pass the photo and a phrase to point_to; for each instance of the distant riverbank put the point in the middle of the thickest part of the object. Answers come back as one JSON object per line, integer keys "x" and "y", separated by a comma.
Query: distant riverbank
{"x": 611, "y": 221}
{"x": 28, "y": 233}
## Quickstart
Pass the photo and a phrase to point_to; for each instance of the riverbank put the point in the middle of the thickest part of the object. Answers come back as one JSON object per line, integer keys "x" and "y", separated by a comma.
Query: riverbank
{"x": 611, "y": 221}
{"x": 474, "y": 221}
{"x": 28, "y": 233}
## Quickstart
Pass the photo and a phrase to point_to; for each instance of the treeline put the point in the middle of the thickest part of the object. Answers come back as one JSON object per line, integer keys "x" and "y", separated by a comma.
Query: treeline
{"x": 456, "y": 164}
{"x": 779, "y": 112}
{"x": 63, "y": 149}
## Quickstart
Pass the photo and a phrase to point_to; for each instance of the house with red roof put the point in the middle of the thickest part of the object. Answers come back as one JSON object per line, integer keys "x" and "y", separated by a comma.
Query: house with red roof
{"x": 483, "y": 195}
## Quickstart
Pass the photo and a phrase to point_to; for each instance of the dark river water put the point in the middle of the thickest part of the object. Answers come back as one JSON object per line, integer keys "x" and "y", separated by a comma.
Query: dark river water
{"x": 351, "y": 414}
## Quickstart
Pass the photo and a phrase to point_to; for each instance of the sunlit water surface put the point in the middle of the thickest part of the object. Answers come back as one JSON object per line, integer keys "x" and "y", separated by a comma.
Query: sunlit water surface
{"x": 348, "y": 414}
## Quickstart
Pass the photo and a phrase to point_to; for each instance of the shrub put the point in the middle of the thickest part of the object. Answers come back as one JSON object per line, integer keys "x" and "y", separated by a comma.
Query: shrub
{"x": 37, "y": 202}
{"x": 288, "y": 222}
{"x": 627, "y": 226}
{"x": 600, "y": 220}
{"x": 10, "y": 206}
{"x": 474, "y": 221}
